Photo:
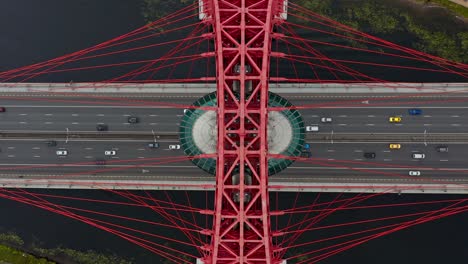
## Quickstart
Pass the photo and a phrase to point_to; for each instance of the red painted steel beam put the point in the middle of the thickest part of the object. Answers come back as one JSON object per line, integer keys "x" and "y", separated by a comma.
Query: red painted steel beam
{"x": 242, "y": 34}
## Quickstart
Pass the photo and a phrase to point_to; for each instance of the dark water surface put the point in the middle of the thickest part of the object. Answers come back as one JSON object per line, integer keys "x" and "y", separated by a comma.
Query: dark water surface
{"x": 33, "y": 31}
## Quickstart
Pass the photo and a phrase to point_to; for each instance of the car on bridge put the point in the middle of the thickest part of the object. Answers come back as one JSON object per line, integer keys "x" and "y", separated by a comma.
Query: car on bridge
{"x": 102, "y": 127}
{"x": 414, "y": 111}
{"x": 312, "y": 128}
{"x": 51, "y": 143}
{"x": 133, "y": 120}
{"x": 61, "y": 152}
{"x": 394, "y": 119}
{"x": 418, "y": 156}
{"x": 174, "y": 147}
{"x": 110, "y": 152}
{"x": 369, "y": 155}
{"x": 153, "y": 145}
{"x": 442, "y": 148}
{"x": 394, "y": 146}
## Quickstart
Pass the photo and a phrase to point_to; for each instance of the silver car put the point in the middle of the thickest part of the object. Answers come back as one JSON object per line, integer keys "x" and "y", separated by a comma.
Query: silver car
{"x": 414, "y": 173}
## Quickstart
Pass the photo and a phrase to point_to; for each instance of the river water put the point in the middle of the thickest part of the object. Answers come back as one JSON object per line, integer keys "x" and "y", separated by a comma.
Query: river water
{"x": 33, "y": 31}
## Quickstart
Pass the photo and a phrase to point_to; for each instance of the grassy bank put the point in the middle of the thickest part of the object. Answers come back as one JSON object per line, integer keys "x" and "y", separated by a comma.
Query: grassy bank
{"x": 13, "y": 250}
{"x": 13, "y": 256}
{"x": 456, "y": 8}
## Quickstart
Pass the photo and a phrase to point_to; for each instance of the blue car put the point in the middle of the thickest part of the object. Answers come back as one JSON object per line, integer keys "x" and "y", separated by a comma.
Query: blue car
{"x": 306, "y": 146}
{"x": 414, "y": 111}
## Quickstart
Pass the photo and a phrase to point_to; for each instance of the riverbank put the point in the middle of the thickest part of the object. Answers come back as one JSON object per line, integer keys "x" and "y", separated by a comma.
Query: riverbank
{"x": 458, "y": 9}
{"x": 13, "y": 250}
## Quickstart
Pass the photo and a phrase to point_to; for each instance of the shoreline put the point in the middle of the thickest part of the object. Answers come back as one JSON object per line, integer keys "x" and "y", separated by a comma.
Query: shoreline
{"x": 427, "y": 5}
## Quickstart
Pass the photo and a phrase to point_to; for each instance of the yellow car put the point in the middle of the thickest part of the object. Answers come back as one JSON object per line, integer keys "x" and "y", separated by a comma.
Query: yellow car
{"x": 394, "y": 119}
{"x": 395, "y": 146}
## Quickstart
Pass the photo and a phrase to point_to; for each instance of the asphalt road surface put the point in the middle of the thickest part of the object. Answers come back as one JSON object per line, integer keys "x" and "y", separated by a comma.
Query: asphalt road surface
{"x": 338, "y": 162}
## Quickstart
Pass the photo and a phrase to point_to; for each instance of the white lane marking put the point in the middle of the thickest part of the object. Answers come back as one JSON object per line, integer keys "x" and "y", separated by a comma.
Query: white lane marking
{"x": 342, "y": 124}
{"x": 398, "y": 124}
{"x": 23, "y": 123}
{"x": 385, "y": 150}
{"x": 455, "y": 116}
{"x": 48, "y": 123}
{"x": 126, "y": 115}
{"x": 141, "y": 157}
{"x": 427, "y": 124}
{"x": 427, "y": 116}
{"x": 75, "y": 114}
{"x": 357, "y": 150}
{"x": 23, "y": 114}
{"x": 358, "y": 159}
{"x": 11, "y": 147}
{"x": 314, "y": 115}
{"x": 11, "y": 156}
{"x": 331, "y": 159}
{"x": 125, "y": 123}
{"x": 89, "y": 148}
{"x": 343, "y": 116}
{"x": 36, "y": 148}
{"x": 455, "y": 124}
{"x": 153, "y": 124}
{"x": 153, "y": 115}
{"x": 100, "y": 115}
{"x": 88, "y": 157}
{"x": 141, "y": 149}
{"x": 49, "y": 114}
{"x": 75, "y": 123}
{"x": 37, "y": 156}
{"x": 179, "y": 115}
{"x": 371, "y": 116}
{"x": 387, "y": 159}
{"x": 370, "y": 125}
{"x": 444, "y": 160}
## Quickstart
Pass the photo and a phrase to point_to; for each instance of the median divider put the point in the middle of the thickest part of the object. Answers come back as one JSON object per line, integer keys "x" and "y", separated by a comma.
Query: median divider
{"x": 88, "y": 135}
{"x": 389, "y": 137}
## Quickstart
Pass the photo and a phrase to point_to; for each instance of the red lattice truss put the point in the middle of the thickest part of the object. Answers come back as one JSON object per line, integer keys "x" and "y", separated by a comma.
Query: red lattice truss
{"x": 242, "y": 34}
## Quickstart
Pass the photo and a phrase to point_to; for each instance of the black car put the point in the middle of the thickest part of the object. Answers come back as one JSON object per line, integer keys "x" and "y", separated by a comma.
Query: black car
{"x": 133, "y": 120}
{"x": 102, "y": 127}
{"x": 2, "y": 109}
{"x": 369, "y": 155}
{"x": 153, "y": 145}
{"x": 51, "y": 143}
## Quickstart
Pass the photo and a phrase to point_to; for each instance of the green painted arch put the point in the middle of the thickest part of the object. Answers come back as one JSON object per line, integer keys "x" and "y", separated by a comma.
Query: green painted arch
{"x": 274, "y": 165}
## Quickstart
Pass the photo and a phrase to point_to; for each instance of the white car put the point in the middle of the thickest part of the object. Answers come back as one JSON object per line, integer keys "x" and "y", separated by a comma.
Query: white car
{"x": 174, "y": 147}
{"x": 61, "y": 152}
{"x": 414, "y": 173}
{"x": 326, "y": 119}
{"x": 418, "y": 156}
{"x": 110, "y": 152}
{"x": 312, "y": 128}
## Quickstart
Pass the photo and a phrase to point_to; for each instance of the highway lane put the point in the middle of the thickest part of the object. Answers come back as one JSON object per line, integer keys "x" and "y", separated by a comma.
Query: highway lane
{"x": 329, "y": 162}
{"x": 59, "y": 116}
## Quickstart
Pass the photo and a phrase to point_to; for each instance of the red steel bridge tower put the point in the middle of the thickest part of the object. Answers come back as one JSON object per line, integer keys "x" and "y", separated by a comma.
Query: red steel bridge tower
{"x": 242, "y": 32}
